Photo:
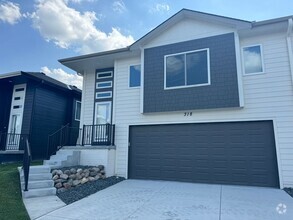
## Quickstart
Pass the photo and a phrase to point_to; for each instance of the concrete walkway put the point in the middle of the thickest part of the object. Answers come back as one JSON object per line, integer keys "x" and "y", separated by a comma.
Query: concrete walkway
{"x": 139, "y": 199}
{"x": 39, "y": 206}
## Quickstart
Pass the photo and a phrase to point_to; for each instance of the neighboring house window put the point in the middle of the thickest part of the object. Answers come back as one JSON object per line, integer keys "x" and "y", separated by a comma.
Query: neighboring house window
{"x": 103, "y": 95}
{"x": 252, "y": 58}
{"x": 102, "y": 85}
{"x": 187, "y": 69}
{"x": 102, "y": 75}
{"x": 77, "y": 110}
{"x": 134, "y": 76}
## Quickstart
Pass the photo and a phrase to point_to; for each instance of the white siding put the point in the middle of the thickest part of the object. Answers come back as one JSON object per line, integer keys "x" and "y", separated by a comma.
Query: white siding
{"x": 266, "y": 96}
{"x": 188, "y": 29}
{"x": 87, "y": 102}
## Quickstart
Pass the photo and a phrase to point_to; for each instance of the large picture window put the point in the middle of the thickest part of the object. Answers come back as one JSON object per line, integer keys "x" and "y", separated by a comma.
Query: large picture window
{"x": 187, "y": 69}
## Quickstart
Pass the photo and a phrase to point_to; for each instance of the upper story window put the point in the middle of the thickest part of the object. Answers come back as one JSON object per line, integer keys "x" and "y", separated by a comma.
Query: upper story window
{"x": 252, "y": 58}
{"x": 103, "y": 85}
{"x": 103, "y": 75}
{"x": 77, "y": 110}
{"x": 187, "y": 69}
{"x": 103, "y": 95}
{"x": 134, "y": 76}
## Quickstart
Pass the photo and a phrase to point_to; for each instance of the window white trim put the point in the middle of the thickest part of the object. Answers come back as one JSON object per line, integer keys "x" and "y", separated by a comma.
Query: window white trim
{"x": 243, "y": 62}
{"x": 133, "y": 87}
{"x": 103, "y": 87}
{"x": 76, "y": 119}
{"x": 97, "y": 93}
{"x": 141, "y": 101}
{"x": 104, "y": 77}
{"x": 188, "y": 86}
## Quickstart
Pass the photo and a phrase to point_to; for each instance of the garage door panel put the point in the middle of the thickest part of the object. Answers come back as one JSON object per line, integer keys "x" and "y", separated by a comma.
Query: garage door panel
{"x": 228, "y": 153}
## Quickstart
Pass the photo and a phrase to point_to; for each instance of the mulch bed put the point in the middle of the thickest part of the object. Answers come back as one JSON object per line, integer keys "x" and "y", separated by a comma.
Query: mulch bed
{"x": 289, "y": 191}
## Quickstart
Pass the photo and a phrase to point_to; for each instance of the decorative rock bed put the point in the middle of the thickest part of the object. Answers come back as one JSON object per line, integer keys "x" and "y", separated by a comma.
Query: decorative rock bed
{"x": 69, "y": 192}
{"x": 67, "y": 178}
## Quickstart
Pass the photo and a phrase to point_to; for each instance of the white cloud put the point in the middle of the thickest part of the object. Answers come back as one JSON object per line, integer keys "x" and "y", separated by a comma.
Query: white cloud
{"x": 119, "y": 6}
{"x": 160, "y": 8}
{"x": 67, "y": 27}
{"x": 61, "y": 75}
{"x": 80, "y": 1}
{"x": 10, "y": 12}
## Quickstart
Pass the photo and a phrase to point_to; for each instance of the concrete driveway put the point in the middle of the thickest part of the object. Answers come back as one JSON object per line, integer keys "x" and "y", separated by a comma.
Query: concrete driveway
{"x": 154, "y": 200}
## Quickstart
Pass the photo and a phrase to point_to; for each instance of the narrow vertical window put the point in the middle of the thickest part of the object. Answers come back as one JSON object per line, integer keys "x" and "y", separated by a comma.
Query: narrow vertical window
{"x": 134, "y": 76}
{"x": 77, "y": 110}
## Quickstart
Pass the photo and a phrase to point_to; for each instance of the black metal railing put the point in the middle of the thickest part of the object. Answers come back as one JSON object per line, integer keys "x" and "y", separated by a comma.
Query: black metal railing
{"x": 89, "y": 135}
{"x": 27, "y": 157}
{"x": 13, "y": 141}
{"x": 65, "y": 136}
{"x": 98, "y": 134}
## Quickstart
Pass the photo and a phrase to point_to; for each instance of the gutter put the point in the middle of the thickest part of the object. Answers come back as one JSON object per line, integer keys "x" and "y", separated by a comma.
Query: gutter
{"x": 93, "y": 55}
{"x": 289, "y": 46}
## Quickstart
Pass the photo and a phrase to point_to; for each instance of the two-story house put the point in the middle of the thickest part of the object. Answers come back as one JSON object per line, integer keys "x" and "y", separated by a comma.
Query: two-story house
{"x": 201, "y": 98}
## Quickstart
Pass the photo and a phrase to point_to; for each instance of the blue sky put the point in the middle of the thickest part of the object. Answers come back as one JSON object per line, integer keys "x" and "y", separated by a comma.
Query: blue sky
{"x": 35, "y": 34}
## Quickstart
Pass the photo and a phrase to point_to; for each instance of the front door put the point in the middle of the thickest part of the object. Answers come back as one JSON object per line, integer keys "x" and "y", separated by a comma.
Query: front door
{"x": 102, "y": 117}
{"x": 15, "y": 120}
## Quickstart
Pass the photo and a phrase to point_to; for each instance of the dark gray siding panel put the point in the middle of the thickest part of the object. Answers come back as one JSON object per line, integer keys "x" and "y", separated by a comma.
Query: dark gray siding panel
{"x": 6, "y": 90}
{"x": 28, "y": 108}
{"x": 104, "y": 90}
{"x": 50, "y": 113}
{"x": 241, "y": 153}
{"x": 222, "y": 93}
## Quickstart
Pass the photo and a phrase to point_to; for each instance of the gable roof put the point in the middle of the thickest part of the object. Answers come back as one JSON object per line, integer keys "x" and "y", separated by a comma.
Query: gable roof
{"x": 75, "y": 62}
{"x": 187, "y": 13}
{"x": 41, "y": 77}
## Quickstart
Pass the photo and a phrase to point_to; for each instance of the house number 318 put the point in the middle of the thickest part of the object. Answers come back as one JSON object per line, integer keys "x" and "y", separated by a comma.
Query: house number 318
{"x": 187, "y": 113}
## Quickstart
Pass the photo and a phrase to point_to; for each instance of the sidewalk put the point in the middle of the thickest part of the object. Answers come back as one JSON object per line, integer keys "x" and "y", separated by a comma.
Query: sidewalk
{"x": 39, "y": 206}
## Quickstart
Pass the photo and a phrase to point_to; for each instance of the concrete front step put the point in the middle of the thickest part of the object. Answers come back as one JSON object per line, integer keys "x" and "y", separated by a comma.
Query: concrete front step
{"x": 37, "y": 169}
{"x": 39, "y": 176}
{"x": 56, "y": 163}
{"x": 63, "y": 158}
{"x": 39, "y": 192}
{"x": 38, "y": 184}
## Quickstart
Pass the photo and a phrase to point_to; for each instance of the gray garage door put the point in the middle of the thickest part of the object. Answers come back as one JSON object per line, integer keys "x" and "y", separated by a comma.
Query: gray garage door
{"x": 241, "y": 153}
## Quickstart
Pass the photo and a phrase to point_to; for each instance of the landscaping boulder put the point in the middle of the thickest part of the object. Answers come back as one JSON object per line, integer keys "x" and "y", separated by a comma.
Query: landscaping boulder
{"x": 66, "y": 178}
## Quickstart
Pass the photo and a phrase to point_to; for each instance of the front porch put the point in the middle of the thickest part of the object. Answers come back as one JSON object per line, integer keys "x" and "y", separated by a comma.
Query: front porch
{"x": 12, "y": 147}
{"x": 88, "y": 137}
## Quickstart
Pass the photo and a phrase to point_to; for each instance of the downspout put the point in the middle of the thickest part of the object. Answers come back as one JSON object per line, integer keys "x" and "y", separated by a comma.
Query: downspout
{"x": 289, "y": 45}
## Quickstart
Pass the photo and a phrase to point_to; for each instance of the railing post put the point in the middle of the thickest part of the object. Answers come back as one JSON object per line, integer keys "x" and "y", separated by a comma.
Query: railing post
{"x": 26, "y": 164}
{"x": 82, "y": 138}
{"x": 108, "y": 133}
{"x": 113, "y": 134}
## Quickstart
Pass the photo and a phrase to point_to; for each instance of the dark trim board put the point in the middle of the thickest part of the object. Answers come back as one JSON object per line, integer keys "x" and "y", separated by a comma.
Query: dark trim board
{"x": 234, "y": 153}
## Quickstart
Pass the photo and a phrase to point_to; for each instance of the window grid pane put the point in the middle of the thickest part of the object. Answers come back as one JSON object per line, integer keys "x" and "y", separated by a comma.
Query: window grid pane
{"x": 175, "y": 70}
{"x": 197, "y": 68}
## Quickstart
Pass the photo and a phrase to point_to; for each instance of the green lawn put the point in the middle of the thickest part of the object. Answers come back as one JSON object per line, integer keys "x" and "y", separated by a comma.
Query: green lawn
{"x": 11, "y": 205}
